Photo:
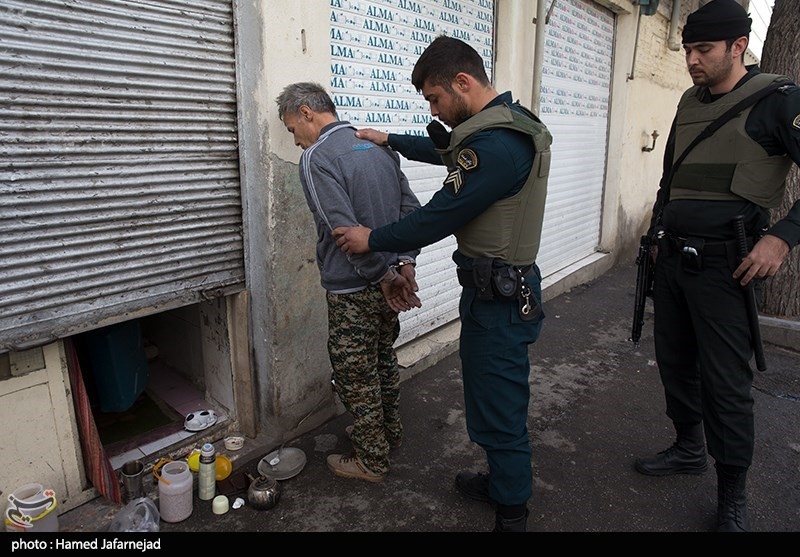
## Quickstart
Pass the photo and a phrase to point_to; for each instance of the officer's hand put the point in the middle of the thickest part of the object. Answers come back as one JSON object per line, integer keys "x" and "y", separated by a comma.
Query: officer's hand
{"x": 764, "y": 260}
{"x": 352, "y": 239}
{"x": 378, "y": 138}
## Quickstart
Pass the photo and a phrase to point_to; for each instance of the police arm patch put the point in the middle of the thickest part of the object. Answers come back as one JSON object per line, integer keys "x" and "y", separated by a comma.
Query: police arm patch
{"x": 454, "y": 181}
{"x": 796, "y": 122}
{"x": 467, "y": 159}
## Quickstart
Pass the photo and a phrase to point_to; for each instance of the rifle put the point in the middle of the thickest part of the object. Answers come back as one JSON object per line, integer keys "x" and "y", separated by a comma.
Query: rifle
{"x": 644, "y": 287}
{"x": 750, "y": 296}
{"x": 644, "y": 277}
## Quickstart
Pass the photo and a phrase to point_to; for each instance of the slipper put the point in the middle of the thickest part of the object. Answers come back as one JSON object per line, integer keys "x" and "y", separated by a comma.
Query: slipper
{"x": 198, "y": 421}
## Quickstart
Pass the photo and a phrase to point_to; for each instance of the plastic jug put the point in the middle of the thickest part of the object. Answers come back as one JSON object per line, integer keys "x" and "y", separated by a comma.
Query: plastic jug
{"x": 174, "y": 490}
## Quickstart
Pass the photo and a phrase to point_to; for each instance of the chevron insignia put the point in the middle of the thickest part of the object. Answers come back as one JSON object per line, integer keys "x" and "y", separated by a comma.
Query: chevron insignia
{"x": 454, "y": 181}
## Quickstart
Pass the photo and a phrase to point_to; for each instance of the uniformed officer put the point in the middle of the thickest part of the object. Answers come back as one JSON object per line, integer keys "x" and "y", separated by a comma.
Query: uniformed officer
{"x": 702, "y": 339}
{"x": 497, "y": 157}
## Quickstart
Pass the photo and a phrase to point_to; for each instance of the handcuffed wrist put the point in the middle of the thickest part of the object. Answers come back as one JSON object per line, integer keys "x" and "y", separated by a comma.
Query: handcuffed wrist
{"x": 391, "y": 276}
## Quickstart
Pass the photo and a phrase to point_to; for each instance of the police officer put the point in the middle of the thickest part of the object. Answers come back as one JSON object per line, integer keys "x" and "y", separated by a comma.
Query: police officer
{"x": 702, "y": 339}
{"x": 497, "y": 157}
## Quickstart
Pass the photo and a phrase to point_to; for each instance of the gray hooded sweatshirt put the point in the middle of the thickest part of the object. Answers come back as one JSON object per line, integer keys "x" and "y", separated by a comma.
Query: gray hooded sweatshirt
{"x": 349, "y": 181}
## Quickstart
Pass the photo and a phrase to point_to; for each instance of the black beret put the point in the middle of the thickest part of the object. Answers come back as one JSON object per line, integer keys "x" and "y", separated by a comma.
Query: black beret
{"x": 716, "y": 21}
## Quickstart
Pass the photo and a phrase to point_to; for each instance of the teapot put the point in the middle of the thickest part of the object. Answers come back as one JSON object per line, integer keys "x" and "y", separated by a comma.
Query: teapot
{"x": 264, "y": 493}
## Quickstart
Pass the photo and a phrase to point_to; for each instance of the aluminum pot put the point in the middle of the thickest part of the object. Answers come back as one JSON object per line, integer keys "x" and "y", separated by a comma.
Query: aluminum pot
{"x": 264, "y": 493}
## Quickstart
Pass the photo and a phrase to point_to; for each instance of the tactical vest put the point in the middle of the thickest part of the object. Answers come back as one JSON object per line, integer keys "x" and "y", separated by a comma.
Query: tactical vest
{"x": 729, "y": 165}
{"x": 510, "y": 229}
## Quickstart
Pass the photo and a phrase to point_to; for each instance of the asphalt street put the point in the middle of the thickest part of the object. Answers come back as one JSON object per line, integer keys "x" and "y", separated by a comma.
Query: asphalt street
{"x": 596, "y": 405}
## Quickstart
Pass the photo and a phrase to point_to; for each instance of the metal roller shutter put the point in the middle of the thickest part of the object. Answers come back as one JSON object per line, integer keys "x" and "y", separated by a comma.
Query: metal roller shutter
{"x": 575, "y": 99}
{"x": 119, "y": 180}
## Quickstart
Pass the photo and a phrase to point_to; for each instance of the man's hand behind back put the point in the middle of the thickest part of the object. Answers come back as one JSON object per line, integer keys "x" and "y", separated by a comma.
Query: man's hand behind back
{"x": 400, "y": 295}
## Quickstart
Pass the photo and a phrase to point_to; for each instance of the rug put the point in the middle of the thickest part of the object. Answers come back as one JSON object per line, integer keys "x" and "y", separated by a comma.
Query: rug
{"x": 147, "y": 414}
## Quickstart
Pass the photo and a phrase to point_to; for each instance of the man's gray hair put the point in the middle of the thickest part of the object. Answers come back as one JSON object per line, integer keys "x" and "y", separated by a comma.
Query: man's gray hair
{"x": 306, "y": 93}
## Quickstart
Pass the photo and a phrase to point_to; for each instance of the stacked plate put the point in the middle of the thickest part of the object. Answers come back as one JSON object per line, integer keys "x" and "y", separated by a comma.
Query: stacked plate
{"x": 283, "y": 463}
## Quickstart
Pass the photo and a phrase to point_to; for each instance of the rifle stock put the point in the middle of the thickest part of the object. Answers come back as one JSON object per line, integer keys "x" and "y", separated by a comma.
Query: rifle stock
{"x": 644, "y": 287}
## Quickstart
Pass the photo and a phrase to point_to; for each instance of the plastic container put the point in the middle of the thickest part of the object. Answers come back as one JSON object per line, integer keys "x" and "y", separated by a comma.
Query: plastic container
{"x": 175, "y": 491}
{"x": 207, "y": 474}
{"x": 119, "y": 365}
{"x": 32, "y": 508}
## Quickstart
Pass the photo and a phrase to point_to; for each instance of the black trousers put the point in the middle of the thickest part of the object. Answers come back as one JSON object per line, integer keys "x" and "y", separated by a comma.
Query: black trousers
{"x": 703, "y": 350}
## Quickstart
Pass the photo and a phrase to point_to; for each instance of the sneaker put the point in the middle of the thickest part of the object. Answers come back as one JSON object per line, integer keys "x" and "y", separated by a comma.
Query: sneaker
{"x": 474, "y": 486}
{"x": 350, "y": 466}
{"x": 393, "y": 444}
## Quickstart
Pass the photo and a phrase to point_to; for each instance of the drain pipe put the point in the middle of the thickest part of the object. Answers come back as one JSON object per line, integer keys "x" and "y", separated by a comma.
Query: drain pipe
{"x": 538, "y": 54}
{"x": 636, "y": 42}
{"x": 672, "y": 39}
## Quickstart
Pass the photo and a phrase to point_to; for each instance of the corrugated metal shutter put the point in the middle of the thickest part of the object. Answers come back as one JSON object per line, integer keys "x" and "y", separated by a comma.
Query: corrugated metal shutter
{"x": 575, "y": 96}
{"x": 119, "y": 169}
{"x": 374, "y": 46}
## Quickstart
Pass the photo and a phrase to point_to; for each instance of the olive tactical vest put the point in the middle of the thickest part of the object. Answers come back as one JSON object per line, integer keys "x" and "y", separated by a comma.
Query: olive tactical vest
{"x": 510, "y": 229}
{"x": 729, "y": 165}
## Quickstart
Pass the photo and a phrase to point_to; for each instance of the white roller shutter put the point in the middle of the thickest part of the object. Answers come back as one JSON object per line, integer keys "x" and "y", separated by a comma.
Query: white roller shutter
{"x": 119, "y": 173}
{"x": 374, "y": 46}
{"x": 575, "y": 95}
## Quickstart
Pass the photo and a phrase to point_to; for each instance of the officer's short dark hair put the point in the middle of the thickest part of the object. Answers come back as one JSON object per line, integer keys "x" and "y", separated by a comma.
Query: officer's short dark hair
{"x": 443, "y": 59}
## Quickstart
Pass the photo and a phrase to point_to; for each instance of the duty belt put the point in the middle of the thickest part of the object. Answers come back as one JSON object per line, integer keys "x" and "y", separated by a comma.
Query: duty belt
{"x": 466, "y": 277}
{"x": 678, "y": 244}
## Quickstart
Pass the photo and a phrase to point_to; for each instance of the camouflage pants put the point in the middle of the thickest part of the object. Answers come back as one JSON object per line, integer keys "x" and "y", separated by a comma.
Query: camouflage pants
{"x": 362, "y": 330}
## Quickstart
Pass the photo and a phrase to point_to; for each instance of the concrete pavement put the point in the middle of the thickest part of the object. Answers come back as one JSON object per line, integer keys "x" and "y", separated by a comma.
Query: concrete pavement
{"x": 596, "y": 405}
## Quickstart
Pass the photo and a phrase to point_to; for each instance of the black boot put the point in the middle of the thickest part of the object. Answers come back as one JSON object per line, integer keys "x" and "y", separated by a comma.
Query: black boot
{"x": 687, "y": 455}
{"x": 475, "y": 486}
{"x": 731, "y": 499}
{"x": 514, "y": 523}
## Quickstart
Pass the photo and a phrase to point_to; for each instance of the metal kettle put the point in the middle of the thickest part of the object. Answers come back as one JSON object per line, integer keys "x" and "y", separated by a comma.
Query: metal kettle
{"x": 264, "y": 493}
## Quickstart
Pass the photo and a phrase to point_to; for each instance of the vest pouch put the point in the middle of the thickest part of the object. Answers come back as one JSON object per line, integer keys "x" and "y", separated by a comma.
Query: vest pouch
{"x": 482, "y": 275}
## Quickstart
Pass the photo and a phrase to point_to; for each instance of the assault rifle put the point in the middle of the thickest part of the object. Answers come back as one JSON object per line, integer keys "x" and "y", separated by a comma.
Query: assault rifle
{"x": 644, "y": 287}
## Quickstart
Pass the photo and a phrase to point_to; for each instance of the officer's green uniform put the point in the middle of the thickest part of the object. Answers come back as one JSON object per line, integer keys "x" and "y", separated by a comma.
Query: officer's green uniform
{"x": 493, "y": 201}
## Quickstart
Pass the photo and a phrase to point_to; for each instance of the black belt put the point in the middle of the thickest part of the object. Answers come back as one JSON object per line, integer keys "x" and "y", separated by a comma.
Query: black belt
{"x": 710, "y": 248}
{"x": 466, "y": 278}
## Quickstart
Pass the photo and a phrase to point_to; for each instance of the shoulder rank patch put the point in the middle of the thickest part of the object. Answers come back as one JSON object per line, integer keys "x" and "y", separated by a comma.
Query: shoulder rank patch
{"x": 796, "y": 122}
{"x": 467, "y": 159}
{"x": 454, "y": 181}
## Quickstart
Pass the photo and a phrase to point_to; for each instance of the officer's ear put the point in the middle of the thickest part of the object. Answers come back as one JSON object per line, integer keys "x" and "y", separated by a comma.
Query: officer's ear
{"x": 462, "y": 82}
{"x": 739, "y": 47}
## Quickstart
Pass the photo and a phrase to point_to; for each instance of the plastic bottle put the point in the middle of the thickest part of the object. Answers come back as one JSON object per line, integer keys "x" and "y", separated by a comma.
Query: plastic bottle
{"x": 207, "y": 473}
